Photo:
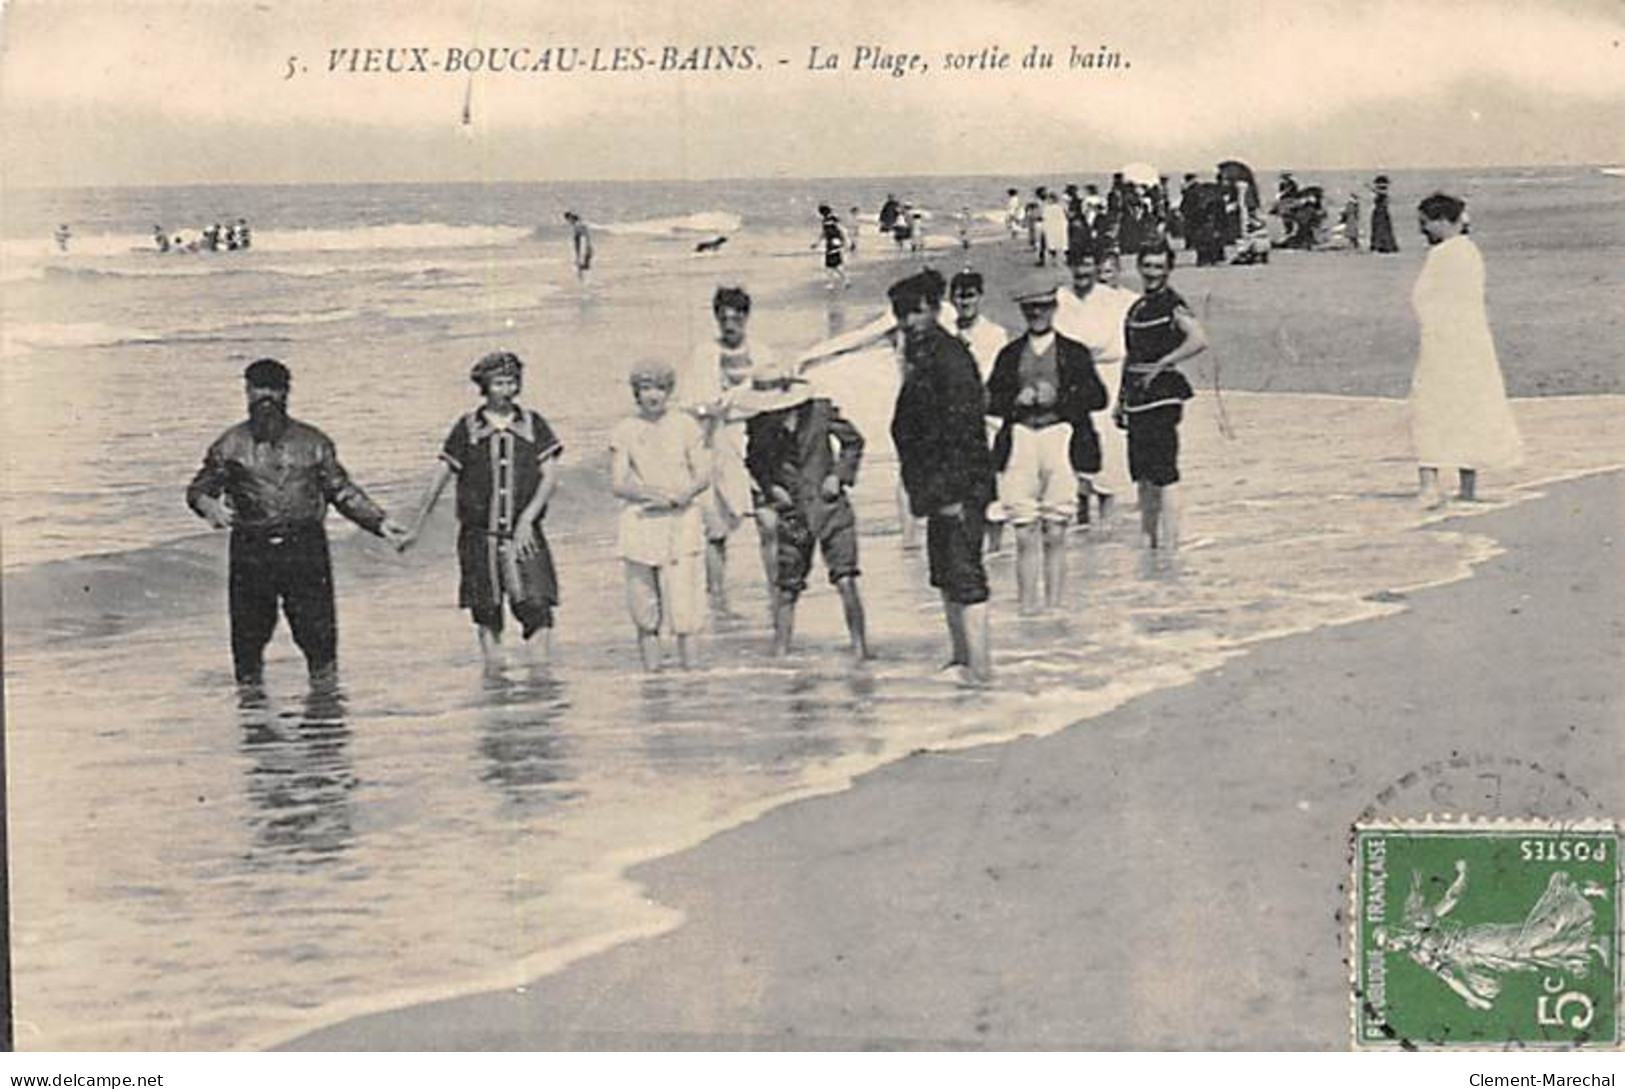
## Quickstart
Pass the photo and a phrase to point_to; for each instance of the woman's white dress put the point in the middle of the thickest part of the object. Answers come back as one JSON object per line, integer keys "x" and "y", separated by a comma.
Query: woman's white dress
{"x": 1458, "y": 407}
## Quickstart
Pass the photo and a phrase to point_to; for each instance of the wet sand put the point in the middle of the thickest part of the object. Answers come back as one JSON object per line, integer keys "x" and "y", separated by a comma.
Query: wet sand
{"x": 1168, "y": 875}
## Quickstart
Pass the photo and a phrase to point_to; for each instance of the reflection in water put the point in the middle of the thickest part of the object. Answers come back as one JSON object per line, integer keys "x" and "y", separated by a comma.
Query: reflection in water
{"x": 1158, "y": 565}
{"x": 520, "y": 739}
{"x": 787, "y": 720}
{"x": 299, "y": 777}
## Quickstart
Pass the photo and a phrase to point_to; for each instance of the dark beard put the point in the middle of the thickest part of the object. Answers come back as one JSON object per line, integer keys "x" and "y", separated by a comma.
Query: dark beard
{"x": 267, "y": 420}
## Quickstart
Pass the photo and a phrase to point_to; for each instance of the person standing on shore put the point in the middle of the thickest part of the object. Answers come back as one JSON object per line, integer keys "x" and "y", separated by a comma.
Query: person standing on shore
{"x": 940, "y": 434}
{"x": 1043, "y": 387}
{"x": 902, "y": 230}
{"x": 505, "y": 459}
{"x": 1351, "y": 221}
{"x": 1056, "y": 230}
{"x": 890, "y": 212}
{"x": 1159, "y": 333}
{"x": 833, "y": 241}
{"x": 269, "y": 480}
{"x": 719, "y": 372}
{"x": 986, "y": 339}
{"x": 580, "y": 245}
{"x": 804, "y": 455}
{"x": 1458, "y": 404}
{"x": 1035, "y": 223}
{"x": 1382, "y": 224}
{"x": 1092, "y": 313}
{"x": 658, "y": 468}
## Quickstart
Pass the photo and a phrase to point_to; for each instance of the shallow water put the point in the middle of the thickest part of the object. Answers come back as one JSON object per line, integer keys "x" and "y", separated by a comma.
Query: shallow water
{"x": 238, "y": 872}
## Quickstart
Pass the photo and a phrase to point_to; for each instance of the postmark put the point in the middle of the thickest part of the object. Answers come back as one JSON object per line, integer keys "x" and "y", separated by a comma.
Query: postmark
{"x": 1484, "y": 933}
{"x": 1486, "y": 785}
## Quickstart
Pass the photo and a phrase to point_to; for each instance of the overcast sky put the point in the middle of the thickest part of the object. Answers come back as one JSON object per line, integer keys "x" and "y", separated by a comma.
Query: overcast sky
{"x": 146, "y": 91}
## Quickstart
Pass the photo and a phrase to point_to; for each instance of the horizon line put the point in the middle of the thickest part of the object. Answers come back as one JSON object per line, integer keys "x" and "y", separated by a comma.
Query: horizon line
{"x": 773, "y": 177}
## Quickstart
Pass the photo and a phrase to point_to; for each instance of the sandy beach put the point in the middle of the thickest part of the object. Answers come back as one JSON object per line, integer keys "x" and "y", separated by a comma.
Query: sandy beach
{"x": 1169, "y": 875}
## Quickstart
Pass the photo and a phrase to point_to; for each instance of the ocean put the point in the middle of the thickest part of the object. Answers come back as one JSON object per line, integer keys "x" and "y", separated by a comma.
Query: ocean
{"x": 192, "y": 870}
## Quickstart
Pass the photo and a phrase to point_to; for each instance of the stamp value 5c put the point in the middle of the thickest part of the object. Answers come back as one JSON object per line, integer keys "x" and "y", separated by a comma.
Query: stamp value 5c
{"x": 1486, "y": 934}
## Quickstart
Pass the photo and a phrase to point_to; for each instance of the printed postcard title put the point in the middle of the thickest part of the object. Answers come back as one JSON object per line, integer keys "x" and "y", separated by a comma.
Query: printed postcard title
{"x": 738, "y": 59}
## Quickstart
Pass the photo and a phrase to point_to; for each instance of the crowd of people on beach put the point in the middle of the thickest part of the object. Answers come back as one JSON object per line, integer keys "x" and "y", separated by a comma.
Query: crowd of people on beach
{"x": 992, "y": 428}
{"x": 1140, "y": 210}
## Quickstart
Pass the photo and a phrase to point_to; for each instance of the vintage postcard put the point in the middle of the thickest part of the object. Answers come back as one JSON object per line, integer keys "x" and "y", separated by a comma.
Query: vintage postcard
{"x": 1012, "y": 524}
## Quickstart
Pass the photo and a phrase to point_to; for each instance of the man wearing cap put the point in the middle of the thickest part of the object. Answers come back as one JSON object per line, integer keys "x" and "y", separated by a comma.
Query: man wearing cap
{"x": 270, "y": 479}
{"x": 938, "y": 428}
{"x": 1043, "y": 387}
{"x": 803, "y": 455}
{"x": 1091, "y": 312}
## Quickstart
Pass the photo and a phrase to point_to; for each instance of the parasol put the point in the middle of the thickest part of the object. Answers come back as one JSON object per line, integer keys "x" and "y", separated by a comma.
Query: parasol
{"x": 1140, "y": 174}
{"x": 1232, "y": 171}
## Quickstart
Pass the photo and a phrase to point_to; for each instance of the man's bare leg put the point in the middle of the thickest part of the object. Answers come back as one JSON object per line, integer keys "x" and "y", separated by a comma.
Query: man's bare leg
{"x": 540, "y": 646}
{"x": 1150, "y": 512}
{"x": 852, "y": 608}
{"x": 716, "y": 575}
{"x": 1168, "y": 531}
{"x": 1029, "y": 567}
{"x": 1054, "y": 564}
{"x": 978, "y": 649}
{"x": 784, "y": 621}
{"x": 649, "y": 651}
{"x": 767, "y": 538}
{"x": 1103, "y": 504}
{"x": 490, "y": 647}
{"x": 959, "y": 643}
{"x": 909, "y": 525}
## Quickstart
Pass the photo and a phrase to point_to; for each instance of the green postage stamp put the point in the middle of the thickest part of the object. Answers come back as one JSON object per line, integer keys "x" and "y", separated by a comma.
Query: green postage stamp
{"x": 1482, "y": 935}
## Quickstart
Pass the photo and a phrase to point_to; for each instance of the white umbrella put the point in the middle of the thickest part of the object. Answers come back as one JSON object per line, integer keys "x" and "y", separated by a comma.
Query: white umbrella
{"x": 1140, "y": 174}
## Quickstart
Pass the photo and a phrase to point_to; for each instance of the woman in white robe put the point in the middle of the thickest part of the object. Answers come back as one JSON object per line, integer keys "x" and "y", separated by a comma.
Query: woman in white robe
{"x": 1459, "y": 413}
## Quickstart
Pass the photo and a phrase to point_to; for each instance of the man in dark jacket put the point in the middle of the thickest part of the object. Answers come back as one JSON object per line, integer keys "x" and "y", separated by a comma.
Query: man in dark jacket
{"x": 270, "y": 479}
{"x": 940, "y": 435}
{"x": 791, "y": 452}
{"x": 1043, "y": 386}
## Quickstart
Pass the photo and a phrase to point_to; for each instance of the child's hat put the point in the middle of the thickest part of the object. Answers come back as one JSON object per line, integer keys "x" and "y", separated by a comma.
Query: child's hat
{"x": 653, "y": 372}
{"x": 495, "y": 364}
